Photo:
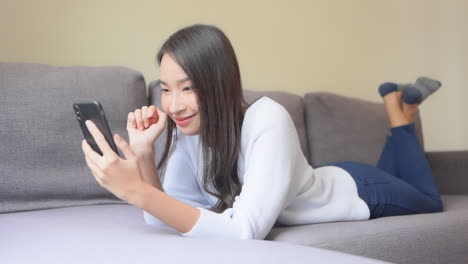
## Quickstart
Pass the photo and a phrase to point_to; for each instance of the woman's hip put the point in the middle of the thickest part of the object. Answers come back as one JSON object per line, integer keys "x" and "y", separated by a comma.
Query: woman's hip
{"x": 386, "y": 194}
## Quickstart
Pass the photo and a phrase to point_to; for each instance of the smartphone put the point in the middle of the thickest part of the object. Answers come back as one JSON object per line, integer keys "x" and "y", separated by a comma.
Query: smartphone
{"x": 93, "y": 111}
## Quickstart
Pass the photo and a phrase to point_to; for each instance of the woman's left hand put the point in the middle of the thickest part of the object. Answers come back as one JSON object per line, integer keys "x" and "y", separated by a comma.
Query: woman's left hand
{"x": 120, "y": 176}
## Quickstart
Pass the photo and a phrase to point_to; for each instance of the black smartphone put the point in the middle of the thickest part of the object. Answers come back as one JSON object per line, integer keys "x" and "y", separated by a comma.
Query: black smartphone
{"x": 93, "y": 111}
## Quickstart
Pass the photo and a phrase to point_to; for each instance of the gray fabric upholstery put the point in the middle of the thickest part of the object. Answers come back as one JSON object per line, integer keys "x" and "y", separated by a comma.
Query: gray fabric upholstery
{"x": 292, "y": 103}
{"x": 117, "y": 234}
{"x": 343, "y": 128}
{"x": 450, "y": 170}
{"x": 424, "y": 238}
{"x": 42, "y": 164}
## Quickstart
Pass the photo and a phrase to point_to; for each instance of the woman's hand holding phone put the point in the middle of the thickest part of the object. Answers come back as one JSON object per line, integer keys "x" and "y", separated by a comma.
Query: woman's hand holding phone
{"x": 144, "y": 126}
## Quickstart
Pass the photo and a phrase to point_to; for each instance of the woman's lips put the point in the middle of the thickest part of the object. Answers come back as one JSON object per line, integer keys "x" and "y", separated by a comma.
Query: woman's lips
{"x": 184, "y": 121}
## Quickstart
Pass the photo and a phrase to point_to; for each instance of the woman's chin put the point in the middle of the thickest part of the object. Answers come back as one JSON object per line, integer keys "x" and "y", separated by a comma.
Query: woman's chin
{"x": 188, "y": 131}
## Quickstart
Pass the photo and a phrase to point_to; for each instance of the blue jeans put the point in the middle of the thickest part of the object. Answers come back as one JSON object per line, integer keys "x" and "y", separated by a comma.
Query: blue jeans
{"x": 402, "y": 183}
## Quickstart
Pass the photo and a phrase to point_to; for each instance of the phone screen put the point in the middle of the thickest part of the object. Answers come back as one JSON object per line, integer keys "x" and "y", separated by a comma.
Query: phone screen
{"x": 93, "y": 111}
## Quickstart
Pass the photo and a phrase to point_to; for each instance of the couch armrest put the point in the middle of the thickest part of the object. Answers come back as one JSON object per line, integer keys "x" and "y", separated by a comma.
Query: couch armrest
{"x": 450, "y": 169}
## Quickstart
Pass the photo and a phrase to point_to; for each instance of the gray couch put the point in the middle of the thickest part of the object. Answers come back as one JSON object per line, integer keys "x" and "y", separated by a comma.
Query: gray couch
{"x": 53, "y": 211}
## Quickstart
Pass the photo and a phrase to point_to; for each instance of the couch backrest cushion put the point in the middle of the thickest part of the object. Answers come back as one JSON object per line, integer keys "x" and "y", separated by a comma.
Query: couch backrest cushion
{"x": 342, "y": 128}
{"x": 42, "y": 164}
{"x": 291, "y": 102}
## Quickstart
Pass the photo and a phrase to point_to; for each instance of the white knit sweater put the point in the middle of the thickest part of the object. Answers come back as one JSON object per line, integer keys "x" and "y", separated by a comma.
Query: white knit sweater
{"x": 278, "y": 184}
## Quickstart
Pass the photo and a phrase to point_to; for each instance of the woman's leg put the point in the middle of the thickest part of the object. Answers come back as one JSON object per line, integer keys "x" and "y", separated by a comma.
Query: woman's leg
{"x": 411, "y": 164}
{"x": 403, "y": 156}
{"x": 387, "y": 195}
{"x": 398, "y": 115}
{"x": 387, "y": 159}
{"x": 402, "y": 183}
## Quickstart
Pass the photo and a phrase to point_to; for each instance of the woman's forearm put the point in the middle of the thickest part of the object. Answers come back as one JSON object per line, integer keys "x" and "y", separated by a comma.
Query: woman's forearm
{"x": 171, "y": 211}
{"x": 148, "y": 168}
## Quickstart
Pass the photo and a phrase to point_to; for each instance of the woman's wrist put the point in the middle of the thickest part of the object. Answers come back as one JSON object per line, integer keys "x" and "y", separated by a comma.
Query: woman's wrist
{"x": 143, "y": 151}
{"x": 146, "y": 159}
{"x": 136, "y": 197}
{"x": 142, "y": 195}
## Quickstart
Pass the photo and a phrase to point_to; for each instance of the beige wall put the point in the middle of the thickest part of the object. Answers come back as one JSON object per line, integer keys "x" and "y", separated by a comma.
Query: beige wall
{"x": 347, "y": 47}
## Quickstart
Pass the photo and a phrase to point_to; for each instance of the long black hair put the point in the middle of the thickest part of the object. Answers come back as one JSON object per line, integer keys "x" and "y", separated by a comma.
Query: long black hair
{"x": 207, "y": 57}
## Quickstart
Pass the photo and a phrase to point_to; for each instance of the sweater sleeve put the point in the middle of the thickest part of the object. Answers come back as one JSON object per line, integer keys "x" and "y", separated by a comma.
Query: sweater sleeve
{"x": 179, "y": 180}
{"x": 270, "y": 160}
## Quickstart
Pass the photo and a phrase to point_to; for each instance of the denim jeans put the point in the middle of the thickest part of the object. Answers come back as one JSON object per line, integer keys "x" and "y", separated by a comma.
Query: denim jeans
{"x": 402, "y": 183}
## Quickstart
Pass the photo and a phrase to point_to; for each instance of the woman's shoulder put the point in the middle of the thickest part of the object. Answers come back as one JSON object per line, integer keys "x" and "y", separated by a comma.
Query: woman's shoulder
{"x": 264, "y": 115}
{"x": 266, "y": 111}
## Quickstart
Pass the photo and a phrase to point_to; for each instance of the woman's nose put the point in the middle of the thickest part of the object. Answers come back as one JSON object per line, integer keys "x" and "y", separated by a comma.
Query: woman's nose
{"x": 177, "y": 105}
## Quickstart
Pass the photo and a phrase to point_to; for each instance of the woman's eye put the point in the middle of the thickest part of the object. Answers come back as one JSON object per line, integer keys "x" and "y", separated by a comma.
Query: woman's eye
{"x": 187, "y": 89}
{"x": 163, "y": 90}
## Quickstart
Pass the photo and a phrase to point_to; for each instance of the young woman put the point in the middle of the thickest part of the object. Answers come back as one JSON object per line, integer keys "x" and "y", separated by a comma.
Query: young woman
{"x": 232, "y": 170}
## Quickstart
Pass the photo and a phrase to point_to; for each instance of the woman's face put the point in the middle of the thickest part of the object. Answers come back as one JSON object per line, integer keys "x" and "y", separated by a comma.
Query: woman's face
{"x": 178, "y": 99}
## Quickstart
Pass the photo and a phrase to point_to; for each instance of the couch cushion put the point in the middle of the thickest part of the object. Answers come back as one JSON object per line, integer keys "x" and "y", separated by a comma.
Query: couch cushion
{"x": 42, "y": 164}
{"x": 341, "y": 128}
{"x": 422, "y": 238}
{"x": 117, "y": 234}
{"x": 291, "y": 102}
